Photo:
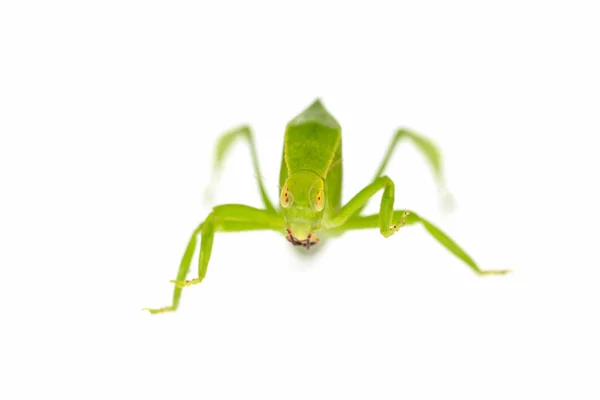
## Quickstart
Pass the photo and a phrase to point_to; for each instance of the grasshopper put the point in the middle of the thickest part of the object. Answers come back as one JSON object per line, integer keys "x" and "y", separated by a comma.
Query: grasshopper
{"x": 310, "y": 199}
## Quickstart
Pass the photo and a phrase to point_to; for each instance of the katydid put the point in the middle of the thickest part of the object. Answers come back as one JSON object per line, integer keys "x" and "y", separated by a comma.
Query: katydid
{"x": 310, "y": 199}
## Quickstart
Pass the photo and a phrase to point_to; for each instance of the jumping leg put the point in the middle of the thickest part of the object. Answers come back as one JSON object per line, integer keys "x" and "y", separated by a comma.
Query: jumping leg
{"x": 428, "y": 149}
{"x": 223, "y": 145}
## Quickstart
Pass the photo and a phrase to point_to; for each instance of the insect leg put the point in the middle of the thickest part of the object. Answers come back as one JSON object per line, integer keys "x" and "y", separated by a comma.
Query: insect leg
{"x": 223, "y": 145}
{"x": 386, "y": 209}
{"x": 372, "y": 221}
{"x": 224, "y": 218}
{"x": 184, "y": 267}
{"x": 428, "y": 149}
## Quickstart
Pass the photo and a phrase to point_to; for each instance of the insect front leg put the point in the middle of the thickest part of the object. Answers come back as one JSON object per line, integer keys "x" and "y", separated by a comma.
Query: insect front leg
{"x": 372, "y": 221}
{"x": 184, "y": 267}
{"x": 224, "y": 218}
{"x": 386, "y": 209}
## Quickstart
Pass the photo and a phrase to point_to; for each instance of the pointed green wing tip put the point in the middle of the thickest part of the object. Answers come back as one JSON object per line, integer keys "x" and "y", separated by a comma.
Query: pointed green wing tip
{"x": 315, "y": 113}
{"x": 317, "y": 103}
{"x": 316, "y": 107}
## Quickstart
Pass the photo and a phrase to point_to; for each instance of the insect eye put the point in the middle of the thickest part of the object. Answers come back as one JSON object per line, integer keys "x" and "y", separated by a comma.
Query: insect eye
{"x": 286, "y": 198}
{"x": 320, "y": 200}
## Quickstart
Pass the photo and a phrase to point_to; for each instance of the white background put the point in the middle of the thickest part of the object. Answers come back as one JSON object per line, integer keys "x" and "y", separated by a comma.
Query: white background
{"x": 108, "y": 116}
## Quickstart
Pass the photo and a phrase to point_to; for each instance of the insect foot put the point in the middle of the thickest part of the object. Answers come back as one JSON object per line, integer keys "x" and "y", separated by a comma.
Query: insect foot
{"x": 495, "y": 272}
{"x": 395, "y": 228}
{"x": 183, "y": 284}
{"x": 158, "y": 310}
{"x": 401, "y": 223}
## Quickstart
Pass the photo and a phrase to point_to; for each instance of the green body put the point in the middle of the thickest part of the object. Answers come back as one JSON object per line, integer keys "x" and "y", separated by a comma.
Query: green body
{"x": 310, "y": 200}
{"x": 312, "y": 151}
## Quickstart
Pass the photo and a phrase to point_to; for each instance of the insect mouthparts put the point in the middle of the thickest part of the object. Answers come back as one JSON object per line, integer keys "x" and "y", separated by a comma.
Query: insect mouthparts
{"x": 306, "y": 243}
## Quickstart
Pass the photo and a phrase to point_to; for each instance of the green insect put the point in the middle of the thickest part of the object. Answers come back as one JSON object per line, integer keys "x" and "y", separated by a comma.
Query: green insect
{"x": 310, "y": 199}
